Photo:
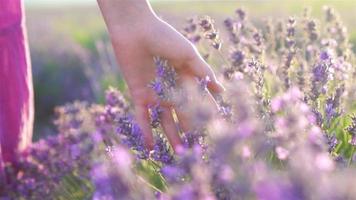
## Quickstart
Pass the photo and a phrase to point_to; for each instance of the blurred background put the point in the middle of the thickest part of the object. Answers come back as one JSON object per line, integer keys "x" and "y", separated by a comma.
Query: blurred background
{"x": 72, "y": 57}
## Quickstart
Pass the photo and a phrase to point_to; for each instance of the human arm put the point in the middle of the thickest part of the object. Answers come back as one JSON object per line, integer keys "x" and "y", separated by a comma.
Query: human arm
{"x": 138, "y": 35}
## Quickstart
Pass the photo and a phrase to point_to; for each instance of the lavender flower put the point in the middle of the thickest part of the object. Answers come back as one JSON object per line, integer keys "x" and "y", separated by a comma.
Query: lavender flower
{"x": 332, "y": 142}
{"x": 113, "y": 177}
{"x": 155, "y": 112}
{"x": 162, "y": 152}
{"x": 210, "y": 33}
{"x": 166, "y": 79}
{"x": 352, "y": 131}
{"x": 158, "y": 87}
{"x": 312, "y": 31}
{"x": 241, "y": 14}
{"x": 319, "y": 79}
{"x": 132, "y": 135}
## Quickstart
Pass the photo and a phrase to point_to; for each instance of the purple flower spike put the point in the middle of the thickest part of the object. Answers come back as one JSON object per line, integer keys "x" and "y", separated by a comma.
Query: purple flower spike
{"x": 325, "y": 55}
{"x": 161, "y": 151}
{"x": 155, "y": 113}
{"x": 352, "y": 130}
{"x": 132, "y": 136}
{"x": 158, "y": 87}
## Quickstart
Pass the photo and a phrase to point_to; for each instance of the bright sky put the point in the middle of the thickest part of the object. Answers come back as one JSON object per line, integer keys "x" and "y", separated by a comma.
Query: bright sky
{"x": 56, "y": 2}
{"x": 65, "y": 2}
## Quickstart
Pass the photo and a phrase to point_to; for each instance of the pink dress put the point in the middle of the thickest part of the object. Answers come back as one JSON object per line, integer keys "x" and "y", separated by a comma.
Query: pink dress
{"x": 16, "y": 92}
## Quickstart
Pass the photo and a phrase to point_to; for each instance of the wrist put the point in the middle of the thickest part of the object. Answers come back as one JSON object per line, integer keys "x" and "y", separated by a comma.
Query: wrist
{"x": 126, "y": 15}
{"x": 133, "y": 26}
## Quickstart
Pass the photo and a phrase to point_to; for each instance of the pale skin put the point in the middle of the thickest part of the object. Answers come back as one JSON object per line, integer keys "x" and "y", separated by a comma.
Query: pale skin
{"x": 137, "y": 36}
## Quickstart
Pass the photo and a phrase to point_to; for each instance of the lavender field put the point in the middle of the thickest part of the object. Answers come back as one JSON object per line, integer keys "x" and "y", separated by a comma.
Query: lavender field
{"x": 285, "y": 126}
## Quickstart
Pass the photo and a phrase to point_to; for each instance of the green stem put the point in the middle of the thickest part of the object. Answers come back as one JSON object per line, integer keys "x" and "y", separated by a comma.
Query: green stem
{"x": 149, "y": 184}
{"x": 156, "y": 168}
{"x": 352, "y": 153}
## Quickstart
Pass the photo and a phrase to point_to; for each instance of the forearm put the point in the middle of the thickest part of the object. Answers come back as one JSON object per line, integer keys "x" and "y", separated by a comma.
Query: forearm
{"x": 122, "y": 15}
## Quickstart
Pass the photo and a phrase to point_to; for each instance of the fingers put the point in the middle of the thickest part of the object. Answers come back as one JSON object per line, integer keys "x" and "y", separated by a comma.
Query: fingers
{"x": 180, "y": 52}
{"x": 170, "y": 127}
{"x": 212, "y": 103}
{"x": 189, "y": 83}
{"x": 185, "y": 107}
{"x": 202, "y": 70}
{"x": 183, "y": 119}
{"x": 143, "y": 120}
{"x": 167, "y": 122}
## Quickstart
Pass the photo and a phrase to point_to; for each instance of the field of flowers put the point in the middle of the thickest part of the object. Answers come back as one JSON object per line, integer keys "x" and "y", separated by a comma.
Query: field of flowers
{"x": 286, "y": 126}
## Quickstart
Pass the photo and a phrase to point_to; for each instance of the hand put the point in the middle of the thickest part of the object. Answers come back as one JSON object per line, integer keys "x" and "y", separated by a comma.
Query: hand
{"x": 135, "y": 45}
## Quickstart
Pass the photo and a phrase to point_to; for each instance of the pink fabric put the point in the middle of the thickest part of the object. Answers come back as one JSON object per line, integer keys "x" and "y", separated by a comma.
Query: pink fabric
{"x": 16, "y": 92}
